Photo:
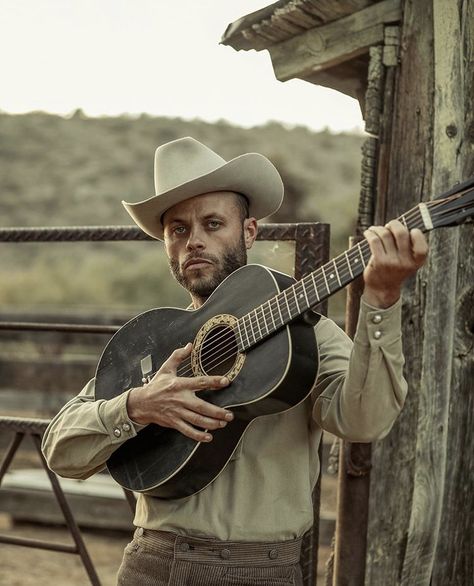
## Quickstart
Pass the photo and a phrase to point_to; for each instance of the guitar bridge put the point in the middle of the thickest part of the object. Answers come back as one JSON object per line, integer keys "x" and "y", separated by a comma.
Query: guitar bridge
{"x": 146, "y": 365}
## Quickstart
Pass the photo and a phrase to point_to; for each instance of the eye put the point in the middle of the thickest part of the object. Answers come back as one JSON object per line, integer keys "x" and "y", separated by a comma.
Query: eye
{"x": 179, "y": 230}
{"x": 214, "y": 224}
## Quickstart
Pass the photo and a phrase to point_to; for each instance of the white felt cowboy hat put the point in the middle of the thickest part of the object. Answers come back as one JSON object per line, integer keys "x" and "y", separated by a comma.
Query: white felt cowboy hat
{"x": 185, "y": 168}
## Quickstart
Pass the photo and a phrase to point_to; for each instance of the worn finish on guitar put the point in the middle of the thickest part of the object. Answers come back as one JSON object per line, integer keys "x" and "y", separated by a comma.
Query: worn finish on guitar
{"x": 272, "y": 376}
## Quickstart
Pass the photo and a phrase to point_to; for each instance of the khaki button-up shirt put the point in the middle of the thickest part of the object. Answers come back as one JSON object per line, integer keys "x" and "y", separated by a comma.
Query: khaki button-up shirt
{"x": 264, "y": 492}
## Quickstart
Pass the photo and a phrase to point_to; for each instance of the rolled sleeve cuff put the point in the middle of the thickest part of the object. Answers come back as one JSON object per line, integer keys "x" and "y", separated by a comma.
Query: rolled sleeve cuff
{"x": 116, "y": 420}
{"x": 378, "y": 327}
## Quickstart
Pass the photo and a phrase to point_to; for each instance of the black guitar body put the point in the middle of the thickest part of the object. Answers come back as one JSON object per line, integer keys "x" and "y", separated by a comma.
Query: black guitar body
{"x": 273, "y": 376}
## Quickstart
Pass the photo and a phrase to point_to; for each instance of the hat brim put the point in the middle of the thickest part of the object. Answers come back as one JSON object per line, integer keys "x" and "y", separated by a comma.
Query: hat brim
{"x": 251, "y": 174}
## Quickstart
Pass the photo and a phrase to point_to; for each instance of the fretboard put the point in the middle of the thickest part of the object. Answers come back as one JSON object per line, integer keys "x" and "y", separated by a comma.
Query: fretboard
{"x": 310, "y": 291}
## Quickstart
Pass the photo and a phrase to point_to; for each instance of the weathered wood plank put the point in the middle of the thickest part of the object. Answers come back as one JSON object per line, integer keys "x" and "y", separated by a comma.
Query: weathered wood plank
{"x": 333, "y": 43}
{"x": 436, "y": 380}
{"x": 98, "y": 502}
{"x": 250, "y": 31}
{"x": 405, "y": 171}
{"x": 454, "y": 561}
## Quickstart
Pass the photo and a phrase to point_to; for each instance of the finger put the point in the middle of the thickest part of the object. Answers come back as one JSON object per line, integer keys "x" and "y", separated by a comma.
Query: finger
{"x": 386, "y": 238}
{"x": 171, "y": 364}
{"x": 401, "y": 237}
{"x": 375, "y": 243}
{"x": 198, "y": 420}
{"x": 210, "y": 410}
{"x": 419, "y": 246}
{"x": 190, "y": 431}
{"x": 201, "y": 383}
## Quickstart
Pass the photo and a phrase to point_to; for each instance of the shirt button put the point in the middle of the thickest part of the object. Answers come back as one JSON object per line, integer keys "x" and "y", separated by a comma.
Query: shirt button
{"x": 117, "y": 432}
{"x": 377, "y": 334}
{"x": 225, "y": 554}
{"x": 377, "y": 318}
{"x": 184, "y": 547}
{"x": 126, "y": 427}
{"x": 273, "y": 554}
{"x": 140, "y": 531}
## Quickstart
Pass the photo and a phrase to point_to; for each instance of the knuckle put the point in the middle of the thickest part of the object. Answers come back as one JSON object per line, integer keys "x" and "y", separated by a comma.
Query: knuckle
{"x": 171, "y": 385}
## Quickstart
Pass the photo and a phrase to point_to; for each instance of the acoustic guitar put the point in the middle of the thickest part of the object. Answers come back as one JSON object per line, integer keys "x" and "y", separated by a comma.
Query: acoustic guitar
{"x": 257, "y": 328}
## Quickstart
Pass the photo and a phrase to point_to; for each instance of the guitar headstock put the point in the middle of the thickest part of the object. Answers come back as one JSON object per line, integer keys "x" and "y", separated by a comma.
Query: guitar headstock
{"x": 455, "y": 209}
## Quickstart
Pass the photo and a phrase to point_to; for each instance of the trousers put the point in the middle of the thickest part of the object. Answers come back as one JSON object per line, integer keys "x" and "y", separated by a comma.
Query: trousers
{"x": 159, "y": 558}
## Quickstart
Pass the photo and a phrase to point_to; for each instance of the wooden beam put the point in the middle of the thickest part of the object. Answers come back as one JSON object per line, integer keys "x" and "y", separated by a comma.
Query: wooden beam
{"x": 251, "y": 31}
{"x": 405, "y": 167}
{"x": 331, "y": 44}
{"x": 440, "y": 312}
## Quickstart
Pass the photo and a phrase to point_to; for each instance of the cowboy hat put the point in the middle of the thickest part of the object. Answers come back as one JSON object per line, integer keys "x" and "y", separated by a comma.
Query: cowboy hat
{"x": 185, "y": 168}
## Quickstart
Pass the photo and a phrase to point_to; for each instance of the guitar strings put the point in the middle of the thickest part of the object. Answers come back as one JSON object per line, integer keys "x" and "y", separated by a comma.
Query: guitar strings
{"x": 293, "y": 303}
{"x": 185, "y": 368}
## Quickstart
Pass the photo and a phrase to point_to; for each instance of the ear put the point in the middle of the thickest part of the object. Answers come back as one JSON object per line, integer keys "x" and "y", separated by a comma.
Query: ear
{"x": 250, "y": 231}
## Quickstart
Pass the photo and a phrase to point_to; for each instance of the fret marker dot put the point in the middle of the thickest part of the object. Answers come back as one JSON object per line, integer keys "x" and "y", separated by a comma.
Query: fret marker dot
{"x": 356, "y": 260}
{"x": 331, "y": 276}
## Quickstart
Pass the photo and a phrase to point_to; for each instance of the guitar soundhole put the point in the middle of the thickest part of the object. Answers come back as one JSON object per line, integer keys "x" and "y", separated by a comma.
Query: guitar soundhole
{"x": 219, "y": 351}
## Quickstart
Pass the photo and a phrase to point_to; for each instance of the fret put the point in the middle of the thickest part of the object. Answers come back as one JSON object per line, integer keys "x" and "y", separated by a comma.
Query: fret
{"x": 403, "y": 221}
{"x": 337, "y": 273}
{"x": 361, "y": 256}
{"x": 349, "y": 263}
{"x": 305, "y": 295}
{"x": 264, "y": 320}
{"x": 296, "y": 299}
{"x": 241, "y": 344}
{"x": 315, "y": 288}
{"x": 271, "y": 314}
{"x": 287, "y": 305}
{"x": 251, "y": 328}
{"x": 279, "y": 311}
{"x": 325, "y": 280}
{"x": 257, "y": 322}
{"x": 245, "y": 330}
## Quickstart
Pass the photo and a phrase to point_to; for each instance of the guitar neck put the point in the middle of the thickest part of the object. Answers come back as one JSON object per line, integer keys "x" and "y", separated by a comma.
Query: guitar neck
{"x": 315, "y": 287}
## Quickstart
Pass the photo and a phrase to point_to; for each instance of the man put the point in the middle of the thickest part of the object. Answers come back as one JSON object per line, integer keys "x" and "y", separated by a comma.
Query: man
{"x": 246, "y": 526}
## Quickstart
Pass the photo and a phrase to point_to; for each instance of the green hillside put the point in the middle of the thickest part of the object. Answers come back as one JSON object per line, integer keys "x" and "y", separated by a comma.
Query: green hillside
{"x": 56, "y": 171}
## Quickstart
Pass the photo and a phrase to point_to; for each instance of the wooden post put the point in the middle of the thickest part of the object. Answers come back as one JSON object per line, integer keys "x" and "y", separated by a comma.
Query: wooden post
{"x": 420, "y": 528}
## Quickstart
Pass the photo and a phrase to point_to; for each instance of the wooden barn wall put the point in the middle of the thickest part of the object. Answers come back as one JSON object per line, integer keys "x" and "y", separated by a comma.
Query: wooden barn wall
{"x": 422, "y": 487}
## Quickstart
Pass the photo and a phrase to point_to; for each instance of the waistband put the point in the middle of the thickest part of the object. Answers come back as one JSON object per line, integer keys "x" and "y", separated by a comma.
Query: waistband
{"x": 215, "y": 551}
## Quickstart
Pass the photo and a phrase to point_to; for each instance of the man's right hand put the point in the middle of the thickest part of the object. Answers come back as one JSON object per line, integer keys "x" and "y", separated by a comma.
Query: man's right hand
{"x": 170, "y": 401}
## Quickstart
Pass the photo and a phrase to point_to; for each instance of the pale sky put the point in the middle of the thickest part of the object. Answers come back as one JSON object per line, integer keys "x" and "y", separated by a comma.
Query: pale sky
{"x": 162, "y": 57}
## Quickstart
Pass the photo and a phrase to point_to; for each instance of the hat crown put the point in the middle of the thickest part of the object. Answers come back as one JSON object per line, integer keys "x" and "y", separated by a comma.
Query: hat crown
{"x": 181, "y": 161}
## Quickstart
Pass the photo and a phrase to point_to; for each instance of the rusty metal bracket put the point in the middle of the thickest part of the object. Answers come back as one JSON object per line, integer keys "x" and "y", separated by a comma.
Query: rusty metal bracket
{"x": 35, "y": 428}
{"x": 311, "y": 251}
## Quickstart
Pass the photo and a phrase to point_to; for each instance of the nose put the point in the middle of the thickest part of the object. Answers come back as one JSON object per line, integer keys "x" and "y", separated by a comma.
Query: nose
{"x": 195, "y": 240}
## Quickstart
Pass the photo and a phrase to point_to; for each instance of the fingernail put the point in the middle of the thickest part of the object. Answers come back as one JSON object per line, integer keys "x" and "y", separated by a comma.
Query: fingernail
{"x": 224, "y": 380}
{"x": 208, "y": 438}
{"x": 222, "y": 423}
{"x": 229, "y": 416}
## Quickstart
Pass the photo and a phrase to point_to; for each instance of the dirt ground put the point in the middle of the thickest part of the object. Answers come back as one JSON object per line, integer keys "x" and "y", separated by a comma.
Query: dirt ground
{"x": 25, "y": 566}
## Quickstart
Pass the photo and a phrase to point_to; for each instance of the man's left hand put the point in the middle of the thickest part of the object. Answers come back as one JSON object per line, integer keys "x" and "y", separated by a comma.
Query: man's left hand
{"x": 397, "y": 254}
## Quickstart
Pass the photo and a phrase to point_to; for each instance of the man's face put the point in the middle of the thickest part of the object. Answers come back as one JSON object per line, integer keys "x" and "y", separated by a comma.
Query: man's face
{"x": 206, "y": 240}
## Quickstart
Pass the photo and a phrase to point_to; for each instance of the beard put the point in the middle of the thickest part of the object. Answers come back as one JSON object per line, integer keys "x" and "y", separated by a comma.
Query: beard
{"x": 201, "y": 285}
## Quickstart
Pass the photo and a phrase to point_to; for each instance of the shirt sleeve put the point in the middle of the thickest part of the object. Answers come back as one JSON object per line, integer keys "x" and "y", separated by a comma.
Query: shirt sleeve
{"x": 85, "y": 433}
{"x": 360, "y": 388}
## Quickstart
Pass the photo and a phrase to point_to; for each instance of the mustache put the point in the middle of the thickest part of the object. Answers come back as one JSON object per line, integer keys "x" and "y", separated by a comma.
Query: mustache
{"x": 201, "y": 256}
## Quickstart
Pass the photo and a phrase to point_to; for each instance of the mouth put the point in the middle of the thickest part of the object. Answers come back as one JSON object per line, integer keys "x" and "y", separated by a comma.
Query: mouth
{"x": 196, "y": 263}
